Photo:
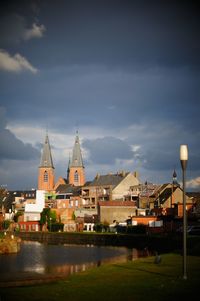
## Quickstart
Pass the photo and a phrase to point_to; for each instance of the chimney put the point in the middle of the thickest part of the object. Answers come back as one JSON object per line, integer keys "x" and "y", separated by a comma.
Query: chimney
{"x": 136, "y": 174}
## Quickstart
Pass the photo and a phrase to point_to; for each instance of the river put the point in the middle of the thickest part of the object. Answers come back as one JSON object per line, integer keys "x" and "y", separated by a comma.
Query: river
{"x": 38, "y": 260}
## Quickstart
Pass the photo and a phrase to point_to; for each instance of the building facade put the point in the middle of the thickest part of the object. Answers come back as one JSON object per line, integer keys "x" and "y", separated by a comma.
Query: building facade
{"x": 110, "y": 187}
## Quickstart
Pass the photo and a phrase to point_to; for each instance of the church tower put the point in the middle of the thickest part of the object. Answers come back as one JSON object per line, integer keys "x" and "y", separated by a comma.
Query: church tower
{"x": 76, "y": 167}
{"x": 46, "y": 168}
{"x": 174, "y": 178}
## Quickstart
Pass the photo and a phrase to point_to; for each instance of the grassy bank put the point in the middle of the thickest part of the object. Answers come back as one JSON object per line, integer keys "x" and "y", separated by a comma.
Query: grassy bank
{"x": 138, "y": 280}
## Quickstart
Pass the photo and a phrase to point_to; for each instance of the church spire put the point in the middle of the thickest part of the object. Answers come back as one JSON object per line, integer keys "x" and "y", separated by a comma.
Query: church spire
{"x": 76, "y": 167}
{"x": 174, "y": 178}
{"x": 46, "y": 158}
{"x": 77, "y": 160}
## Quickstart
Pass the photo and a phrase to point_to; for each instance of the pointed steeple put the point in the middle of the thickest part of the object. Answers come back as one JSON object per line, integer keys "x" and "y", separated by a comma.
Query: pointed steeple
{"x": 77, "y": 160}
{"x": 174, "y": 178}
{"x": 76, "y": 167}
{"x": 46, "y": 158}
{"x": 174, "y": 174}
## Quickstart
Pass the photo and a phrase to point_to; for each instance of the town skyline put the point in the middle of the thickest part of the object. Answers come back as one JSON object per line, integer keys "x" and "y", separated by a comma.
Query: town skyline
{"x": 125, "y": 75}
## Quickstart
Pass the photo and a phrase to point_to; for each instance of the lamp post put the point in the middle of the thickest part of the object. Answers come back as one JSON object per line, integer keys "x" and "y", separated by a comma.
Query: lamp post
{"x": 184, "y": 159}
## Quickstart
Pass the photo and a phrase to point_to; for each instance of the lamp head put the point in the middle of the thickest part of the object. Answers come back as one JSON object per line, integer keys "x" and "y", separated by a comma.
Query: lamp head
{"x": 183, "y": 152}
{"x": 183, "y": 155}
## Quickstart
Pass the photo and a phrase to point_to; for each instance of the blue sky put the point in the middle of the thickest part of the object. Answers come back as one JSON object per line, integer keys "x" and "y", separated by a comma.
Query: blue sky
{"x": 124, "y": 73}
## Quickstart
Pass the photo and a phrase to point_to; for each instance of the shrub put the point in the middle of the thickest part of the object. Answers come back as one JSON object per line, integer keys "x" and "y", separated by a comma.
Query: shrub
{"x": 56, "y": 227}
{"x": 101, "y": 227}
{"x": 5, "y": 224}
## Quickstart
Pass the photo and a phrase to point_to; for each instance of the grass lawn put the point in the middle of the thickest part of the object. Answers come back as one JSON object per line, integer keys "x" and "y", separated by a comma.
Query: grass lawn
{"x": 137, "y": 280}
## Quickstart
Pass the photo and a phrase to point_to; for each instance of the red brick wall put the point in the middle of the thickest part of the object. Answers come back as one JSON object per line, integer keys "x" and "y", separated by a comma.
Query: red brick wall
{"x": 49, "y": 185}
{"x": 81, "y": 175}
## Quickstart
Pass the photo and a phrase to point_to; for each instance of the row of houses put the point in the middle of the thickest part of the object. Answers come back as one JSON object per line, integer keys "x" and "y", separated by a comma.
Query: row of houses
{"x": 107, "y": 199}
{"x": 79, "y": 205}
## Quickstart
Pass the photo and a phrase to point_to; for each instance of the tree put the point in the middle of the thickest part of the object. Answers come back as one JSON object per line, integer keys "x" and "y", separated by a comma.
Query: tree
{"x": 6, "y": 224}
{"x": 16, "y": 216}
{"x": 47, "y": 217}
{"x": 44, "y": 216}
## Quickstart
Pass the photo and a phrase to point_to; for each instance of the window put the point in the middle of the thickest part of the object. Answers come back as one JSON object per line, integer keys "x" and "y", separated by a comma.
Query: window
{"x": 45, "y": 176}
{"x": 76, "y": 176}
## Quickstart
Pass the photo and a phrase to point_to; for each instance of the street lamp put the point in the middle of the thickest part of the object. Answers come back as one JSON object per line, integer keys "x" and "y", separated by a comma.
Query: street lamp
{"x": 184, "y": 159}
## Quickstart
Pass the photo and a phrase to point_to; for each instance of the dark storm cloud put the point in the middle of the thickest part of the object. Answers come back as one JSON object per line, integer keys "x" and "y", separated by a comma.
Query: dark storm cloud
{"x": 107, "y": 150}
{"x": 160, "y": 144}
{"x": 16, "y": 22}
{"x": 160, "y": 159}
{"x": 11, "y": 29}
{"x": 99, "y": 96}
{"x": 14, "y": 149}
{"x": 128, "y": 34}
{"x": 11, "y": 147}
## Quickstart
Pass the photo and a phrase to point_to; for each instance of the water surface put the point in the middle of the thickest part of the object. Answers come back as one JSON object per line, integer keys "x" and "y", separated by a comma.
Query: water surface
{"x": 45, "y": 260}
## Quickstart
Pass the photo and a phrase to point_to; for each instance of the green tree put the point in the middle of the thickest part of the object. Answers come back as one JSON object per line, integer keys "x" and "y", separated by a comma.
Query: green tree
{"x": 16, "y": 216}
{"x": 44, "y": 216}
{"x": 5, "y": 224}
{"x": 48, "y": 217}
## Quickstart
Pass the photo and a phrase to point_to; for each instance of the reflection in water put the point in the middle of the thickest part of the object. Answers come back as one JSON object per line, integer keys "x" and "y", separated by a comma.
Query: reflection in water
{"x": 36, "y": 259}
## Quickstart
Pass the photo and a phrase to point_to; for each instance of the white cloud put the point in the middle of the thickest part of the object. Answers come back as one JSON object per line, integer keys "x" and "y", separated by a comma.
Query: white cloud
{"x": 16, "y": 63}
{"x": 135, "y": 148}
{"x": 37, "y": 31}
{"x": 194, "y": 183}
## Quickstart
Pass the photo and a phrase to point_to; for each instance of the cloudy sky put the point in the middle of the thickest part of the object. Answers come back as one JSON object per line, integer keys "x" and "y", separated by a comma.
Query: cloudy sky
{"x": 125, "y": 74}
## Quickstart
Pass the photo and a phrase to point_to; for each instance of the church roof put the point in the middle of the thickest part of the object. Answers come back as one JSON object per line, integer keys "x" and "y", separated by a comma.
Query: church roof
{"x": 77, "y": 160}
{"x": 46, "y": 158}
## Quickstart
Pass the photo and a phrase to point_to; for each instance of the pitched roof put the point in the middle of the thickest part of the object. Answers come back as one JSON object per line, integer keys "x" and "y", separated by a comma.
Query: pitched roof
{"x": 46, "y": 158}
{"x": 165, "y": 194}
{"x": 77, "y": 160}
{"x": 68, "y": 188}
{"x": 108, "y": 180}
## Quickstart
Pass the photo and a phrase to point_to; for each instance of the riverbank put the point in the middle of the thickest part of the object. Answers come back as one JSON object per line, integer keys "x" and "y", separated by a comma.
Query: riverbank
{"x": 137, "y": 280}
{"x": 161, "y": 243}
{"x": 9, "y": 244}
